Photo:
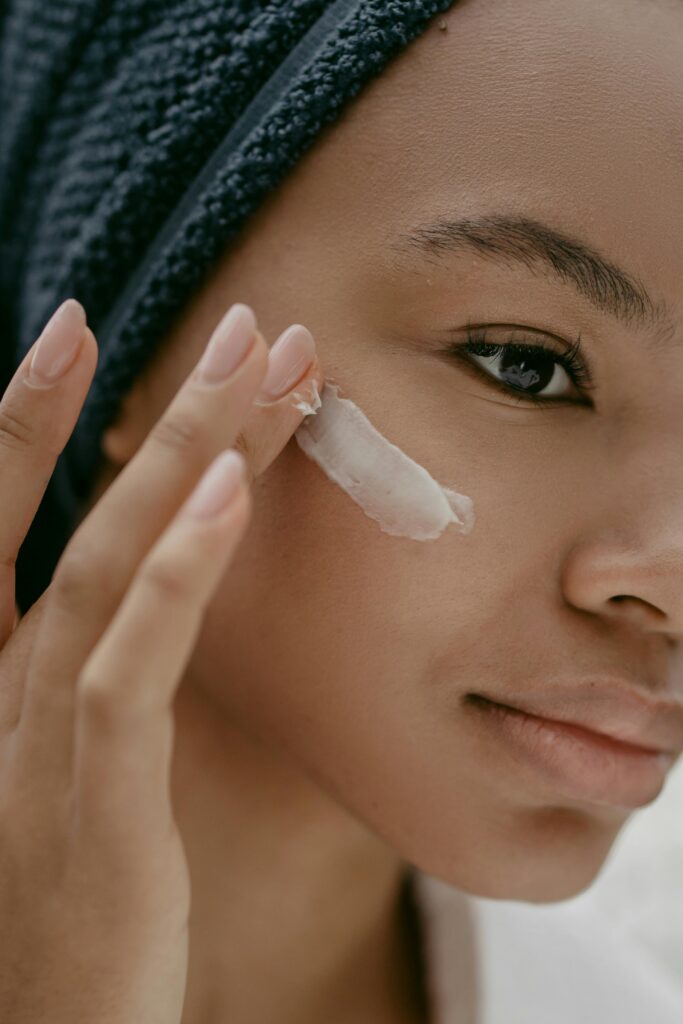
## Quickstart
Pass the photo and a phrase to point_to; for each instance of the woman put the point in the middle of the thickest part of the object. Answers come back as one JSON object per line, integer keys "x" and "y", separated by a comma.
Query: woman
{"x": 485, "y": 251}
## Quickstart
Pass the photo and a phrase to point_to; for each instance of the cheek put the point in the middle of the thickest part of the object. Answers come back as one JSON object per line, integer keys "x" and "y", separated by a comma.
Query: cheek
{"x": 324, "y": 615}
{"x": 351, "y": 651}
{"x": 325, "y": 626}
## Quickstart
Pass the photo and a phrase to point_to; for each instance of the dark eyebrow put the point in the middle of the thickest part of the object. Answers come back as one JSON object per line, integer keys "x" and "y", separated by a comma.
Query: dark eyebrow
{"x": 505, "y": 238}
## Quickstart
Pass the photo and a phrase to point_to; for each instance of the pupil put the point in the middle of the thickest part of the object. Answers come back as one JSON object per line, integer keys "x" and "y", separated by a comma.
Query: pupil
{"x": 531, "y": 371}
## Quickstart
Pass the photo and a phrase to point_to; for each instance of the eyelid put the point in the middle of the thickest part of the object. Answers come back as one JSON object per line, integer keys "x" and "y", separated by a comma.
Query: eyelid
{"x": 534, "y": 336}
{"x": 572, "y": 359}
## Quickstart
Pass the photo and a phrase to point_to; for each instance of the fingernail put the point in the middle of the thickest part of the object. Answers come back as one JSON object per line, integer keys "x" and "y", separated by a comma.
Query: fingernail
{"x": 217, "y": 487}
{"x": 288, "y": 360}
{"x": 228, "y": 345}
{"x": 58, "y": 343}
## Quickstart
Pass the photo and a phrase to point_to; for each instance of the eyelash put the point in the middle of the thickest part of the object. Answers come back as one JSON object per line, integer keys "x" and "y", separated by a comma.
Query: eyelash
{"x": 573, "y": 361}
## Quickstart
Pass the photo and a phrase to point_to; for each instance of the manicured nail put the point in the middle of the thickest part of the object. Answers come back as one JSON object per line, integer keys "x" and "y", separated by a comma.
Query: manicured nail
{"x": 228, "y": 345}
{"x": 217, "y": 487}
{"x": 288, "y": 360}
{"x": 58, "y": 344}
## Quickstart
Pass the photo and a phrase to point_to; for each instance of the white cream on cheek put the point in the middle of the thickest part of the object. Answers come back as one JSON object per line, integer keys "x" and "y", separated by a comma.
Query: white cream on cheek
{"x": 389, "y": 486}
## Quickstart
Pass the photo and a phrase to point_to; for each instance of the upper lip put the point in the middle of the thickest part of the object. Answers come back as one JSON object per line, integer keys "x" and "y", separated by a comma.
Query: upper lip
{"x": 612, "y": 708}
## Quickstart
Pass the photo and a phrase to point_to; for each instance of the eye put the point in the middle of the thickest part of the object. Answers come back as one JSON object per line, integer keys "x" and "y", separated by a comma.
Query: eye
{"x": 528, "y": 372}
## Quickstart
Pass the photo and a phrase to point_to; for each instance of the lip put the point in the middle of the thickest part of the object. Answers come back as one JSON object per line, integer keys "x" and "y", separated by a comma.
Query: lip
{"x": 585, "y": 745}
{"x": 611, "y": 707}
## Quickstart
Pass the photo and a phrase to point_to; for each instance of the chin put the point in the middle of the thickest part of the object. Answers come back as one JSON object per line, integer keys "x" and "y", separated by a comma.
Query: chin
{"x": 537, "y": 883}
{"x": 551, "y": 855}
{"x": 552, "y": 887}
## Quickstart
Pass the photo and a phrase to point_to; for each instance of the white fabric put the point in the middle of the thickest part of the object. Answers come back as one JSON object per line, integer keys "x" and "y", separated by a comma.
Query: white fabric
{"x": 612, "y": 955}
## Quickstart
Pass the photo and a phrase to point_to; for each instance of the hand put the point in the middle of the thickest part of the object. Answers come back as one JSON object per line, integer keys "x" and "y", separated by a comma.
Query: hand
{"x": 94, "y": 884}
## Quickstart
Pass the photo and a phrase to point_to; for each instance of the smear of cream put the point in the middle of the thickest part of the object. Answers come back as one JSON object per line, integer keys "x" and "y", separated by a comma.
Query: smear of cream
{"x": 390, "y": 487}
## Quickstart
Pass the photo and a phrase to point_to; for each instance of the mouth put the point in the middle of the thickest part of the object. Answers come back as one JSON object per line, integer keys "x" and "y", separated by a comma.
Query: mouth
{"x": 578, "y": 762}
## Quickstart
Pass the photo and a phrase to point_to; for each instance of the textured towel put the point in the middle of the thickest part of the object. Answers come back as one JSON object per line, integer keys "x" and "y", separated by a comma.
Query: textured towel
{"x": 136, "y": 138}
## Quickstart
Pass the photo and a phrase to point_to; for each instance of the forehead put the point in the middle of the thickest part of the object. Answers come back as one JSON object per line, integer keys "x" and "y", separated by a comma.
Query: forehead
{"x": 520, "y": 79}
{"x": 568, "y": 112}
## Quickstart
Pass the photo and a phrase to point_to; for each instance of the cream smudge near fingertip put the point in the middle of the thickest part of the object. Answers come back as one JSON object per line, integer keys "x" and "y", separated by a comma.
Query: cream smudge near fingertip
{"x": 390, "y": 487}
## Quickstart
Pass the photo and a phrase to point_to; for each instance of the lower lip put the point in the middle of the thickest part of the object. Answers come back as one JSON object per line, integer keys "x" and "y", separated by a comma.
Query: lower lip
{"x": 581, "y": 764}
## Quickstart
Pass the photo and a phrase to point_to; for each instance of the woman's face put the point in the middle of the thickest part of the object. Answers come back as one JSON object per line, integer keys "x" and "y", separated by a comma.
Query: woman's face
{"x": 354, "y": 650}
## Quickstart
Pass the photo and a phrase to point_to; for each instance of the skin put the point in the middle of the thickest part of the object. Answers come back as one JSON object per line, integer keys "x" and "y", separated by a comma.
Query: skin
{"x": 94, "y": 881}
{"x": 322, "y": 737}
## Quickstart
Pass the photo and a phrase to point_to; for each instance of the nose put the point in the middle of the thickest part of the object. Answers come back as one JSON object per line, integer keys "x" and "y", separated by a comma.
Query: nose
{"x": 630, "y": 578}
{"x": 624, "y": 563}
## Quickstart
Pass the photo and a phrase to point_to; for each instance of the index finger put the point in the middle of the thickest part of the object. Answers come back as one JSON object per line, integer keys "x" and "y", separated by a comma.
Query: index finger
{"x": 36, "y": 420}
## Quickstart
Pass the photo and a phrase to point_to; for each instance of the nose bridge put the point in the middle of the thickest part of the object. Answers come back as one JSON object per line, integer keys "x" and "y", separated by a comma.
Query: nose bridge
{"x": 646, "y": 501}
{"x": 648, "y": 483}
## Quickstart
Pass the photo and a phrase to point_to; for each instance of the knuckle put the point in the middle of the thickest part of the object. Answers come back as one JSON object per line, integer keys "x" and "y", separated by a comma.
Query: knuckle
{"x": 8, "y": 561}
{"x": 177, "y": 432}
{"x": 14, "y": 432}
{"x": 96, "y": 696}
{"x": 167, "y": 584}
{"x": 246, "y": 446}
{"x": 73, "y": 578}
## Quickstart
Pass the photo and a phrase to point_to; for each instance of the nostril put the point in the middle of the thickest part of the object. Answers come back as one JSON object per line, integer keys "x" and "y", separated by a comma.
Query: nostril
{"x": 637, "y": 607}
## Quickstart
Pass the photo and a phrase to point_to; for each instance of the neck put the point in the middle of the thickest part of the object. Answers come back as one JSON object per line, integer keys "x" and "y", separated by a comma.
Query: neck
{"x": 297, "y": 909}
